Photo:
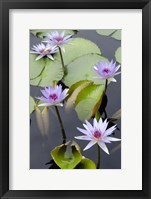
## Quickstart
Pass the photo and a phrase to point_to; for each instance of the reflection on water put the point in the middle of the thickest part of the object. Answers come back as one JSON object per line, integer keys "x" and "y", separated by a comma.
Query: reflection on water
{"x": 45, "y": 129}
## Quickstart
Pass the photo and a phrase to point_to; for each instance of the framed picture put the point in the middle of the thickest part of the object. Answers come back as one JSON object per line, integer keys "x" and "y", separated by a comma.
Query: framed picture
{"x": 75, "y": 99}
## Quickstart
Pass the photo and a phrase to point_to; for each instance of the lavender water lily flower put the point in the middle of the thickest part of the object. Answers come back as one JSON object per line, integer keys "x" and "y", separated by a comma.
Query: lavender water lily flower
{"x": 97, "y": 134}
{"x": 53, "y": 96}
{"x": 56, "y": 39}
{"x": 107, "y": 70}
{"x": 41, "y": 50}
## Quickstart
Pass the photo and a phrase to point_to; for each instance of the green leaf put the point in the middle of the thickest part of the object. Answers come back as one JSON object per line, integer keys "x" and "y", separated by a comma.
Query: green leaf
{"x": 66, "y": 156}
{"x": 82, "y": 69}
{"x": 41, "y": 33}
{"x": 105, "y": 32}
{"x": 74, "y": 91}
{"x": 52, "y": 72}
{"x": 114, "y": 33}
{"x": 31, "y": 104}
{"x": 88, "y": 101}
{"x": 35, "y": 66}
{"x": 117, "y": 35}
{"x": 118, "y": 55}
{"x": 78, "y": 48}
{"x": 86, "y": 164}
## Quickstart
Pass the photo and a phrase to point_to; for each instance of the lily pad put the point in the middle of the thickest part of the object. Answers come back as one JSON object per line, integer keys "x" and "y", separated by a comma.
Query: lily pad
{"x": 31, "y": 104}
{"x": 117, "y": 35}
{"x": 114, "y": 33}
{"x": 105, "y": 32}
{"x": 78, "y": 48}
{"x": 86, "y": 164}
{"x": 35, "y": 66}
{"x": 82, "y": 69}
{"x": 41, "y": 33}
{"x": 66, "y": 156}
{"x": 118, "y": 55}
{"x": 88, "y": 101}
{"x": 52, "y": 72}
{"x": 74, "y": 91}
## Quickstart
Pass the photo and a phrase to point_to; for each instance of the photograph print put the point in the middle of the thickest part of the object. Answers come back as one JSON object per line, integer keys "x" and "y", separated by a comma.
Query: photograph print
{"x": 75, "y": 99}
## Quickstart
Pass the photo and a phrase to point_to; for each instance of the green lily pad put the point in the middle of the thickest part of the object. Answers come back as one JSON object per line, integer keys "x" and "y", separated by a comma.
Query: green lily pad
{"x": 74, "y": 91}
{"x": 35, "y": 66}
{"x": 31, "y": 104}
{"x": 41, "y": 33}
{"x": 86, "y": 164}
{"x": 66, "y": 156}
{"x": 118, "y": 55}
{"x": 105, "y": 32}
{"x": 88, "y": 101}
{"x": 117, "y": 35}
{"x": 114, "y": 33}
{"x": 78, "y": 48}
{"x": 82, "y": 69}
{"x": 52, "y": 72}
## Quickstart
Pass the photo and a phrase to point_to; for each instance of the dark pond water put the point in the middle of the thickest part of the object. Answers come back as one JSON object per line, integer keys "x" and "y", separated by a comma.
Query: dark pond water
{"x": 41, "y": 144}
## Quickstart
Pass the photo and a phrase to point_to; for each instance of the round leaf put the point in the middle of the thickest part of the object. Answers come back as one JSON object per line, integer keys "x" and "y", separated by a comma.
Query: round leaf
{"x": 35, "y": 66}
{"x": 52, "y": 72}
{"x": 82, "y": 69}
{"x": 66, "y": 156}
{"x": 117, "y": 35}
{"x": 78, "y": 48}
{"x": 88, "y": 101}
{"x": 118, "y": 55}
{"x": 105, "y": 32}
{"x": 74, "y": 91}
{"x": 114, "y": 33}
{"x": 31, "y": 104}
{"x": 86, "y": 164}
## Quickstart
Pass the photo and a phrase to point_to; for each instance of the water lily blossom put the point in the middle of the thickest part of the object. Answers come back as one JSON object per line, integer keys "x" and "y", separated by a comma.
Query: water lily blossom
{"x": 44, "y": 50}
{"x": 107, "y": 70}
{"x": 53, "y": 96}
{"x": 97, "y": 134}
{"x": 56, "y": 39}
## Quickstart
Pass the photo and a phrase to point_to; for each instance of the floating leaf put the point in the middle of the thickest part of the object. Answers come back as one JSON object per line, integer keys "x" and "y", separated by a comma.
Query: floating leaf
{"x": 52, "y": 72}
{"x": 32, "y": 104}
{"x": 66, "y": 156}
{"x": 78, "y": 48}
{"x": 114, "y": 33}
{"x": 118, "y": 55}
{"x": 41, "y": 33}
{"x": 42, "y": 118}
{"x": 88, "y": 101}
{"x": 117, "y": 35}
{"x": 82, "y": 69}
{"x": 35, "y": 66}
{"x": 105, "y": 32}
{"x": 86, "y": 164}
{"x": 74, "y": 91}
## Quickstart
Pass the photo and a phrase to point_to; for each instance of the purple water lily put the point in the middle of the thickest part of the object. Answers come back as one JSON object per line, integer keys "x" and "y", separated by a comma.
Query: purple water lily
{"x": 56, "y": 39}
{"x": 41, "y": 50}
{"x": 53, "y": 96}
{"x": 107, "y": 70}
{"x": 98, "y": 133}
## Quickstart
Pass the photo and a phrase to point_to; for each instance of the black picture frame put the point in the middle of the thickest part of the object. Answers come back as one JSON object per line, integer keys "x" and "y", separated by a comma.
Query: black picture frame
{"x": 5, "y": 5}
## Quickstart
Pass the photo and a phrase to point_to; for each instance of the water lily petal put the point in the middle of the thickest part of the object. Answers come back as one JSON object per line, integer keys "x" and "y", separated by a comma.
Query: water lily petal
{"x": 90, "y": 144}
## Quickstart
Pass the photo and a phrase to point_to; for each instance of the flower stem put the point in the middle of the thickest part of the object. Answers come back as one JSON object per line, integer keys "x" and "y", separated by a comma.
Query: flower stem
{"x": 106, "y": 82}
{"x": 61, "y": 125}
{"x": 98, "y": 164}
{"x": 62, "y": 62}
